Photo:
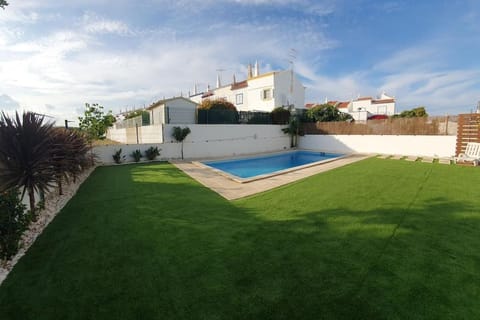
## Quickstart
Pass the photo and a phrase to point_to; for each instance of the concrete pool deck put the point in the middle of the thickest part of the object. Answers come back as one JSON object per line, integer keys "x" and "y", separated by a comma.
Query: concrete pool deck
{"x": 232, "y": 190}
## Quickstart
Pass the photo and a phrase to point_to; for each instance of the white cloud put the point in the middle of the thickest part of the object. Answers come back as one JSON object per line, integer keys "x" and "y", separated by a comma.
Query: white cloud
{"x": 93, "y": 23}
{"x": 8, "y": 103}
{"x": 411, "y": 58}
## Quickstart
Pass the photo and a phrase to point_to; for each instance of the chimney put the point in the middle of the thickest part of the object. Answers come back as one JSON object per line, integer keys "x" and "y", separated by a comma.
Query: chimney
{"x": 195, "y": 89}
{"x": 256, "y": 71}
{"x": 249, "y": 71}
{"x": 208, "y": 87}
{"x": 218, "y": 81}
{"x": 234, "y": 80}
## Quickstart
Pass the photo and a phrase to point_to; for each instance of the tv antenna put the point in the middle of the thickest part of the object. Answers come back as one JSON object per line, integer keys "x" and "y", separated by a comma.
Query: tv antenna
{"x": 292, "y": 55}
{"x": 219, "y": 76}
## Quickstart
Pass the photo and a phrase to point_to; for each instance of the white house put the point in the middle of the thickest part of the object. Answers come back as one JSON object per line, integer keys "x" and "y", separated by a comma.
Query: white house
{"x": 176, "y": 110}
{"x": 364, "y": 108}
{"x": 259, "y": 92}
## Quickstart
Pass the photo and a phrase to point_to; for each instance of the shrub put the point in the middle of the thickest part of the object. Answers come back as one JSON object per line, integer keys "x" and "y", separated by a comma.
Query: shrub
{"x": 217, "y": 104}
{"x": 136, "y": 155}
{"x": 218, "y": 111}
{"x": 152, "y": 152}
{"x": 13, "y": 221}
{"x": 326, "y": 113}
{"x": 280, "y": 115}
{"x": 118, "y": 157}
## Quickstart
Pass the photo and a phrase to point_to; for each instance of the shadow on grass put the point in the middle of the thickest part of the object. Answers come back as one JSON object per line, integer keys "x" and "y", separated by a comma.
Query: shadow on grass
{"x": 148, "y": 242}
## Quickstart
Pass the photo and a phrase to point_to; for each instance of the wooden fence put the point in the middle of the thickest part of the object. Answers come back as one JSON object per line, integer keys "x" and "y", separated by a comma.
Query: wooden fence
{"x": 395, "y": 126}
{"x": 468, "y": 130}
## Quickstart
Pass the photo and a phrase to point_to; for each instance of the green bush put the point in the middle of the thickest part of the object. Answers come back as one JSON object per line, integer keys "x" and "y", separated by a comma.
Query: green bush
{"x": 218, "y": 111}
{"x": 13, "y": 221}
{"x": 152, "y": 152}
{"x": 136, "y": 155}
{"x": 280, "y": 115}
{"x": 326, "y": 113}
{"x": 118, "y": 157}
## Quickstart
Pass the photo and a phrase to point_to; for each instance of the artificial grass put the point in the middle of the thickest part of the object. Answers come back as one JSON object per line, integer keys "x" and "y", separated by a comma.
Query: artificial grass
{"x": 378, "y": 239}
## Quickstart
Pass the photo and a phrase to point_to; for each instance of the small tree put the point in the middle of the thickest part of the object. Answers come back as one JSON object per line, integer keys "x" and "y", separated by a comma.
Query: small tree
{"x": 294, "y": 129}
{"x": 326, "y": 113}
{"x": 94, "y": 122}
{"x": 180, "y": 134}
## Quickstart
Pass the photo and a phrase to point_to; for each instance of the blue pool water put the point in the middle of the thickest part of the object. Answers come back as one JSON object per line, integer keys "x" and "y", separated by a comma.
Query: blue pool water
{"x": 251, "y": 167}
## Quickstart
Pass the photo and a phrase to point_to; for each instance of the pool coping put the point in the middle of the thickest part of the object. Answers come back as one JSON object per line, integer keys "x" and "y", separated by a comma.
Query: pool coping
{"x": 232, "y": 190}
{"x": 266, "y": 175}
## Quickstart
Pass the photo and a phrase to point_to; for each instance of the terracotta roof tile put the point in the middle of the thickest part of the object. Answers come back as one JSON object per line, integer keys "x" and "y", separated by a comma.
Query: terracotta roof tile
{"x": 364, "y": 98}
{"x": 239, "y": 85}
{"x": 383, "y": 101}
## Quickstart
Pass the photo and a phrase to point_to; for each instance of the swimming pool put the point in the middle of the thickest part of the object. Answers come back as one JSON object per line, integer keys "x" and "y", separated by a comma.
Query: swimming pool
{"x": 262, "y": 166}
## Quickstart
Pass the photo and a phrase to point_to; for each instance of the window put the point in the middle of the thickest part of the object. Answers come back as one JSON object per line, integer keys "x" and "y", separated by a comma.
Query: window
{"x": 267, "y": 94}
{"x": 239, "y": 98}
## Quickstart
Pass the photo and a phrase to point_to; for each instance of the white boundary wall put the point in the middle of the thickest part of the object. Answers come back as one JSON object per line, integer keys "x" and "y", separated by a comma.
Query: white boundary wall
{"x": 431, "y": 146}
{"x": 146, "y": 134}
{"x": 208, "y": 141}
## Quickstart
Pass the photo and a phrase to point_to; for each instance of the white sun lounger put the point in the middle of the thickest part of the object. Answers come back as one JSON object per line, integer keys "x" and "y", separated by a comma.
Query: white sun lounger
{"x": 444, "y": 160}
{"x": 472, "y": 154}
{"x": 384, "y": 156}
{"x": 427, "y": 159}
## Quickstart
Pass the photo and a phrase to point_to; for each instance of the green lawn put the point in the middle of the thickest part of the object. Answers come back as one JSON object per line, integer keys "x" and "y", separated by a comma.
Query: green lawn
{"x": 378, "y": 239}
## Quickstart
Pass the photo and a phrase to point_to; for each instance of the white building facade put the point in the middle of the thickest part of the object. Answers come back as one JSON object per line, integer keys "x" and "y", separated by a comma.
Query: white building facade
{"x": 363, "y": 108}
{"x": 259, "y": 92}
{"x": 177, "y": 110}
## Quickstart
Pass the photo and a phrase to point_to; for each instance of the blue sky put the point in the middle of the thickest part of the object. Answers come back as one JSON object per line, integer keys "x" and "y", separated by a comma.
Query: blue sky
{"x": 57, "y": 55}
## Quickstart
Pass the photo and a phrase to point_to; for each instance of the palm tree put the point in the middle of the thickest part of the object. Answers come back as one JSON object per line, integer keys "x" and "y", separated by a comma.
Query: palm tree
{"x": 69, "y": 154}
{"x": 25, "y": 151}
{"x": 180, "y": 134}
{"x": 294, "y": 129}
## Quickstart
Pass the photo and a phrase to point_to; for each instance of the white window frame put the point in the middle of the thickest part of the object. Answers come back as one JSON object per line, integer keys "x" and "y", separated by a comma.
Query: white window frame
{"x": 239, "y": 98}
{"x": 267, "y": 94}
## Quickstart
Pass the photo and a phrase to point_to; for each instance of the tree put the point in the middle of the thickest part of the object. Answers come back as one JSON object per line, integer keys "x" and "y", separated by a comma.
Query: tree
{"x": 180, "y": 134}
{"x": 418, "y": 112}
{"x": 25, "y": 154}
{"x": 3, "y": 4}
{"x": 327, "y": 113}
{"x": 70, "y": 155}
{"x": 294, "y": 129}
{"x": 95, "y": 123}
